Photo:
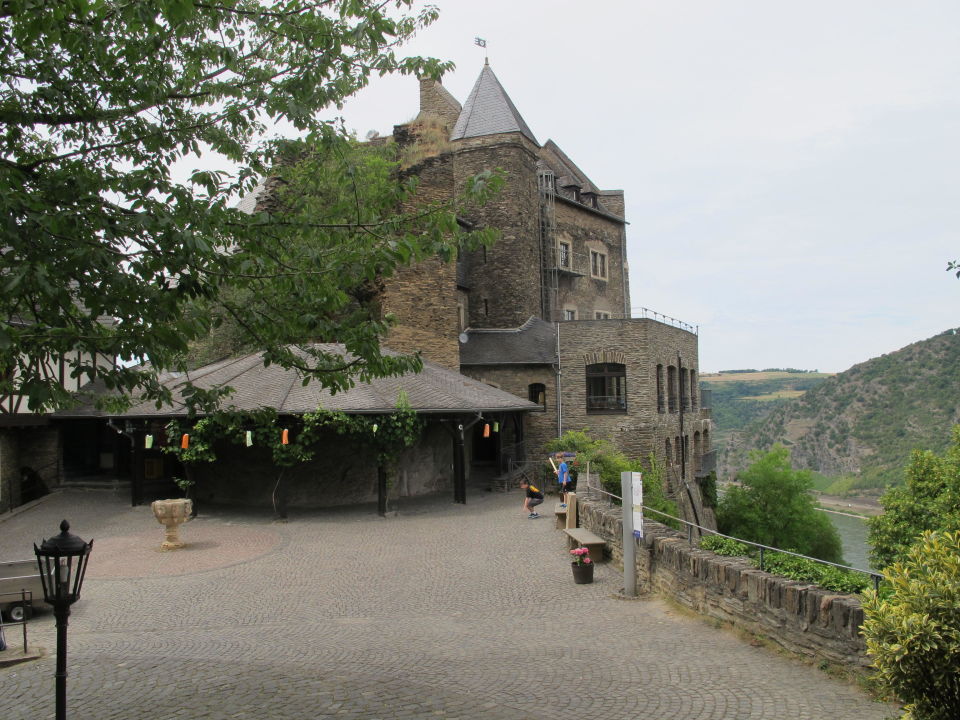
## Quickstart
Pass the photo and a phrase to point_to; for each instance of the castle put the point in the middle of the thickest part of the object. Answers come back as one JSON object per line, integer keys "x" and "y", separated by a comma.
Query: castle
{"x": 542, "y": 319}
{"x": 545, "y": 313}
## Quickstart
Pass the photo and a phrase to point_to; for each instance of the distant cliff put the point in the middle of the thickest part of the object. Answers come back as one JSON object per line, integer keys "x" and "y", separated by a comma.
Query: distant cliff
{"x": 861, "y": 425}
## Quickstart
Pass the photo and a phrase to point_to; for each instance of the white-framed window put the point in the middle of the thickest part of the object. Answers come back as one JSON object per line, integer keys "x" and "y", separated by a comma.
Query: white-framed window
{"x": 569, "y": 314}
{"x": 598, "y": 264}
{"x": 563, "y": 254}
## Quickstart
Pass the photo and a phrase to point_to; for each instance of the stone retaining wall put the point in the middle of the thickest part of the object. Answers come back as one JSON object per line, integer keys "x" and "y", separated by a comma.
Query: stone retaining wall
{"x": 803, "y": 618}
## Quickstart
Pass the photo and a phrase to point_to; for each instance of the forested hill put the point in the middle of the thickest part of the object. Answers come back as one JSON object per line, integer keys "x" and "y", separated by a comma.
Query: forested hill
{"x": 739, "y": 397}
{"x": 859, "y": 426}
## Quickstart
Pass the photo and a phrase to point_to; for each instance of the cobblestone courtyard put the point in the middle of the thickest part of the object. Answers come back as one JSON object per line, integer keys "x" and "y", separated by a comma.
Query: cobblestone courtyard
{"x": 445, "y": 611}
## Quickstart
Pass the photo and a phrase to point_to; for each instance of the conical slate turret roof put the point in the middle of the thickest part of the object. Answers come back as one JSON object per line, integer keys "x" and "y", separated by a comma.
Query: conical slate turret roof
{"x": 489, "y": 111}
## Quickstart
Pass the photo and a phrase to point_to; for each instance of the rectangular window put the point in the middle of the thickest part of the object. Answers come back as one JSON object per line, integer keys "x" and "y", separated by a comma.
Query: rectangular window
{"x": 598, "y": 265}
{"x": 602, "y": 315}
{"x": 606, "y": 388}
{"x": 563, "y": 257}
{"x": 569, "y": 314}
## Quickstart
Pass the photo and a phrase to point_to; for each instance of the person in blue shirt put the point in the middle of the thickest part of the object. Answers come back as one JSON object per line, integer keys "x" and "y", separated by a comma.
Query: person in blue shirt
{"x": 563, "y": 479}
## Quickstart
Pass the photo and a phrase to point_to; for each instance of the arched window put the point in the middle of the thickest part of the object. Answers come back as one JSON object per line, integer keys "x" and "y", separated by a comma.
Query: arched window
{"x": 537, "y": 393}
{"x": 661, "y": 404}
{"x": 672, "y": 388}
{"x": 607, "y": 388}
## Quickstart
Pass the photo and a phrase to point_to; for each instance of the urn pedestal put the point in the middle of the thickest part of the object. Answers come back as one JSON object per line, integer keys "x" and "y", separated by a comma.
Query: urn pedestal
{"x": 172, "y": 514}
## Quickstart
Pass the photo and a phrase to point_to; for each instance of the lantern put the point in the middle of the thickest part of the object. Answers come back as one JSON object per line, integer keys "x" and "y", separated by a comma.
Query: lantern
{"x": 63, "y": 563}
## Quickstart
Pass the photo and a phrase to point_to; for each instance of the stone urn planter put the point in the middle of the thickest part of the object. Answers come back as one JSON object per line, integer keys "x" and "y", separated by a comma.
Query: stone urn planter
{"x": 582, "y": 573}
{"x": 172, "y": 514}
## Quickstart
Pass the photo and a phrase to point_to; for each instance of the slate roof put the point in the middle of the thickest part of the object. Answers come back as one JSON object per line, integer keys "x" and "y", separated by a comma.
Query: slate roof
{"x": 567, "y": 172}
{"x": 489, "y": 111}
{"x": 434, "y": 390}
{"x": 533, "y": 343}
{"x": 564, "y": 168}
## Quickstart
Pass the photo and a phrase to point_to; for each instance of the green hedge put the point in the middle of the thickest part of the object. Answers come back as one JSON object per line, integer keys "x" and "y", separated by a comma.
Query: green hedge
{"x": 790, "y": 566}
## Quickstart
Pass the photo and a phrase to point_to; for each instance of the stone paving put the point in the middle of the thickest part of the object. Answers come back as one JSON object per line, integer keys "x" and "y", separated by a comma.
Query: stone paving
{"x": 444, "y": 611}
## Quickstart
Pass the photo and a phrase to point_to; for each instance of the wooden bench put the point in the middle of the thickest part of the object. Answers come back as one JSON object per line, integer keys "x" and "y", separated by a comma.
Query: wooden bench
{"x": 584, "y": 538}
{"x": 561, "y": 514}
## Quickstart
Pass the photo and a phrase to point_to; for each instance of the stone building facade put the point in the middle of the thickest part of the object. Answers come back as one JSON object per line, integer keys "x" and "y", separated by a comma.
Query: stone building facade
{"x": 545, "y": 313}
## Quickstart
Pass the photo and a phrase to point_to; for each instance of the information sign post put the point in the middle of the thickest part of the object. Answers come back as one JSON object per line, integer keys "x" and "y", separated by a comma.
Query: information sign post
{"x": 631, "y": 484}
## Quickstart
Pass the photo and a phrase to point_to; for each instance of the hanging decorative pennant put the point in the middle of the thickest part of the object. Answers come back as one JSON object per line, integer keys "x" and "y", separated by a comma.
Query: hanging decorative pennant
{"x": 185, "y": 441}
{"x": 249, "y": 438}
{"x": 285, "y": 437}
{"x": 496, "y": 427}
{"x": 375, "y": 426}
{"x": 486, "y": 430}
{"x": 148, "y": 442}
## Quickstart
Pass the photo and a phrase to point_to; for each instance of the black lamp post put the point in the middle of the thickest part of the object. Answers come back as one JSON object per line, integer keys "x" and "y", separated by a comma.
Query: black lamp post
{"x": 63, "y": 563}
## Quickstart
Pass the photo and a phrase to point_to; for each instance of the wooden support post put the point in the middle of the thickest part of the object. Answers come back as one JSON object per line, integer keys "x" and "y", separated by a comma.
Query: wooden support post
{"x": 459, "y": 463}
{"x": 137, "y": 471}
{"x": 381, "y": 491}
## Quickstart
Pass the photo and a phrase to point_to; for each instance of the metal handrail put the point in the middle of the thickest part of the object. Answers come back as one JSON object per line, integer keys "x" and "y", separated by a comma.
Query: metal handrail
{"x": 875, "y": 576}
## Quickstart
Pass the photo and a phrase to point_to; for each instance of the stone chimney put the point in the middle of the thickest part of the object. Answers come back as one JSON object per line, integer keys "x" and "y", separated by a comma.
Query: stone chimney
{"x": 613, "y": 201}
{"x": 435, "y": 100}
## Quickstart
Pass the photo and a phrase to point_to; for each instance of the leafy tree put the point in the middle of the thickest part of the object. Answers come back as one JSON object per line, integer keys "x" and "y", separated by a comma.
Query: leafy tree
{"x": 320, "y": 278}
{"x": 609, "y": 462}
{"x": 929, "y": 500}
{"x": 773, "y": 507}
{"x": 913, "y": 633}
{"x": 99, "y": 100}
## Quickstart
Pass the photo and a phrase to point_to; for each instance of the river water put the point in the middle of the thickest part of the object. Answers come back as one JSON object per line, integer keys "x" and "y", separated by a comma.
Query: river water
{"x": 853, "y": 535}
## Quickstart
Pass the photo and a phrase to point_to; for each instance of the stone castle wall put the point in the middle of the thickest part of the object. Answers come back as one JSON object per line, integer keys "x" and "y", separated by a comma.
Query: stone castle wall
{"x": 803, "y": 618}
{"x": 423, "y": 297}
{"x": 342, "y": 473}
{"x": 586, "y": 230}
{"x": 504, "y": 280}
{"x": 642, "y": 343}
{"x": 540, "y": 427}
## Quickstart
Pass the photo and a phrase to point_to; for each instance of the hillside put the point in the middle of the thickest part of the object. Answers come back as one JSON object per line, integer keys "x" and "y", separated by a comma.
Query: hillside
{"x": 739, "y": 397}
{"x": 859, "y": 426}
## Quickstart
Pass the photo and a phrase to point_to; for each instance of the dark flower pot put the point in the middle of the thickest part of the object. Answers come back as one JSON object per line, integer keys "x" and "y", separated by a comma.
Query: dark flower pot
{"x": 582, "y": 574}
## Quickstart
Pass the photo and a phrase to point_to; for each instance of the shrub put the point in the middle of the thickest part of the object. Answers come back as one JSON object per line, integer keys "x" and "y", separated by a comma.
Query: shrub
{"x": 803, "y": 570}
{"x": 708, "y": 489}
{"x": 914, "y": 633}
{"x": 790, "y": 566}
{"x": 773, "y": 507}
{"x": 608, "y": 463}
{"x": 930, "y": 500}
{"x": 723, "y": 546}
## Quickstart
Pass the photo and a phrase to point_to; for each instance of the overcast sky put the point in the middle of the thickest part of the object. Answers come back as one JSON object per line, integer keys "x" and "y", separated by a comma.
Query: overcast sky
{"x": 791, "y": 169}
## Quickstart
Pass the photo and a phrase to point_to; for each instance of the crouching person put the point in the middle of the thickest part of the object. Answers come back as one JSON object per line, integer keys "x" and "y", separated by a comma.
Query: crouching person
{"x": 533, "y": 498}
